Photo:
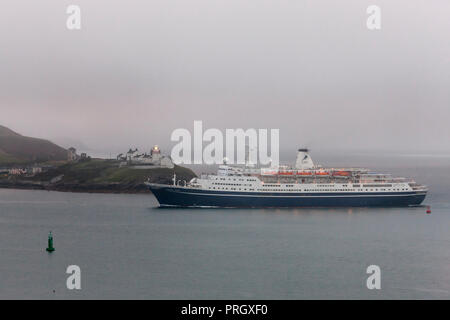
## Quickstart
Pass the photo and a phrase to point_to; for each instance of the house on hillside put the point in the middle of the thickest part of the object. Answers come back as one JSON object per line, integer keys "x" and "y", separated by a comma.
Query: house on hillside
{"x": 17, "y": 171}
{"x": 144, "y": 160}
{"x": 72, "y": 154}
{"x": 34, "y": 170}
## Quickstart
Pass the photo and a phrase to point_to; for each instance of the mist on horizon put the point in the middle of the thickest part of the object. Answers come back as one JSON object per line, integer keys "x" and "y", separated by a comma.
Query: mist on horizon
{"x": 136, "y": 71}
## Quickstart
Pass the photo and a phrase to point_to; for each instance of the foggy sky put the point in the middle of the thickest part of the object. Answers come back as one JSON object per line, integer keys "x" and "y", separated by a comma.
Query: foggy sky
{"x": 137, "y": 70}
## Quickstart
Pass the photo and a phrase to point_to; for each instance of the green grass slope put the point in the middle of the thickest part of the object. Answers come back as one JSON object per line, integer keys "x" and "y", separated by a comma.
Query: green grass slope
{"x": 103, "y": 172}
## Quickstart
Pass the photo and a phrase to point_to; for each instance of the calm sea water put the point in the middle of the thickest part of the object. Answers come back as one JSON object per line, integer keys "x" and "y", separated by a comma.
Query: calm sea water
{"x": 128, "y": 248}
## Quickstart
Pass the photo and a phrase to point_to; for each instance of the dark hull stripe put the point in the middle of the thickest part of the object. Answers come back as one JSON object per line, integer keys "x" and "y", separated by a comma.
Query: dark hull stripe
{"x": 296, "y": 195}
{"x": 184, "y": 197}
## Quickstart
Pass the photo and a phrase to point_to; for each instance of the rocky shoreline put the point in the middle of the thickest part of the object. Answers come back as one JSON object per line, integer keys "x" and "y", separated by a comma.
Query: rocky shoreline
{"x": 76, "y": 187}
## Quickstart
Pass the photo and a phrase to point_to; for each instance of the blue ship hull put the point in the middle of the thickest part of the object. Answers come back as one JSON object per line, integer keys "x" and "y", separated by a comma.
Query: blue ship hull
{"x": 190, "y": 197}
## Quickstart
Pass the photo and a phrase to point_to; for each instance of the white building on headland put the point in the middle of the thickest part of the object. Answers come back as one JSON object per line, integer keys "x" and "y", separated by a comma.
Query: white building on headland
{"x": 146, "y": 161}
{"x": 72, "y": 154}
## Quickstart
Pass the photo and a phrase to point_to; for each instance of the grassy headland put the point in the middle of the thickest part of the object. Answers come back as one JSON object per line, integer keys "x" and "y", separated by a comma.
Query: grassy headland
{"x": 83, "y": 175}
{"x": 97, "y": 175}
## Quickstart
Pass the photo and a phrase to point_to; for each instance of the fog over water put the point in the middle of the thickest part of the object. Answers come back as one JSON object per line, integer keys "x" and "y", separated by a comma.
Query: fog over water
{"x": 138, "y": 70}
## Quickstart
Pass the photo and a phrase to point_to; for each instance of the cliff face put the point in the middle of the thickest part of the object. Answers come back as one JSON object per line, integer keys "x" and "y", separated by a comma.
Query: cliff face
{"x": 15, "y": 148}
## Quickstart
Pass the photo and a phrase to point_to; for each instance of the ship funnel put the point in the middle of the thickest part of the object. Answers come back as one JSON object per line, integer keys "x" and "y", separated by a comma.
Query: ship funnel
{"x": 303, "y": 161}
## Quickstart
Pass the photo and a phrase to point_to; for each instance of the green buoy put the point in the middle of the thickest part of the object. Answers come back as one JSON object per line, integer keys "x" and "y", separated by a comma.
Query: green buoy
{"x": 50, "y": 243}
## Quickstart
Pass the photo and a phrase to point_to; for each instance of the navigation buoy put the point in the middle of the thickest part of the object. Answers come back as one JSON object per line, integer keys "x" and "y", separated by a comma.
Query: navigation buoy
{"x": 50, "y": 247}
{"x": 428, "y": 210}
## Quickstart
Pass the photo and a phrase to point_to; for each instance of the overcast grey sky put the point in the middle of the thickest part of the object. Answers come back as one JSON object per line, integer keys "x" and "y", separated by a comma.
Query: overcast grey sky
{"x": 137, "y": 70}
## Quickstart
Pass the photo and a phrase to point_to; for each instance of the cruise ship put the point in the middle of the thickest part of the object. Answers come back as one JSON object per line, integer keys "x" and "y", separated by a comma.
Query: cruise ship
{"x": 303, "y": 185}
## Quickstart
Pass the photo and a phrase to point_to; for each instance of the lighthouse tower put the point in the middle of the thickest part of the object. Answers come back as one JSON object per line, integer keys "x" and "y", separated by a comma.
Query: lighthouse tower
{"x": 156, "y": 155}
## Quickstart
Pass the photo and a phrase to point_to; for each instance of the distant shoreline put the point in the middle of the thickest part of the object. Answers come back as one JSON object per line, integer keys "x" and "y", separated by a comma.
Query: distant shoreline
{"x": 77, "y": 188}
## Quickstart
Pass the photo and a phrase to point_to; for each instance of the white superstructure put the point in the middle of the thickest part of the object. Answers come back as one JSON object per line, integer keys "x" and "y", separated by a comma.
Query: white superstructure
{"x": 304, "y": 177}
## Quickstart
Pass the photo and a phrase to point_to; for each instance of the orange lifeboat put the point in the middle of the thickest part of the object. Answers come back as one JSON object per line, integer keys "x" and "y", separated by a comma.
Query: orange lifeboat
{"x": 269, "y": 172}
{"x": 322, "y": 173}
{"x": 341, "y": 173}
{"x": 304, "y": 173}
